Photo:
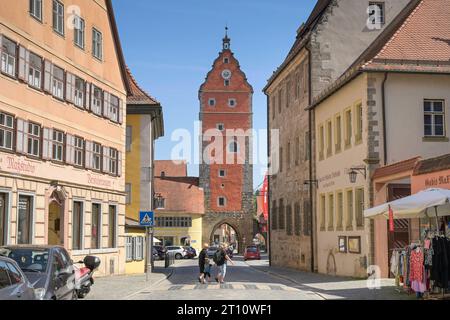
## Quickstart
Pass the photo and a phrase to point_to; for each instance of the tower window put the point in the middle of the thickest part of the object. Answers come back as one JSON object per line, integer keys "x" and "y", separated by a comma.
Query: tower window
{"x": 220, "y": 126}
{"x": 234, "y": 147}
{"x": 212, "y": 102}
{"x": 226, "y": 60}
{"x": 232, "y": 103}
{"x": 226, "y": 83}
{"x": 222, "y": 173}
{"x": 221, "y": 201}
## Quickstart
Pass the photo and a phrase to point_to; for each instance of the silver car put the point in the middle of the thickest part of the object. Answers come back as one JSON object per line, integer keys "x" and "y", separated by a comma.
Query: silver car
{"x": 14, "y": 285}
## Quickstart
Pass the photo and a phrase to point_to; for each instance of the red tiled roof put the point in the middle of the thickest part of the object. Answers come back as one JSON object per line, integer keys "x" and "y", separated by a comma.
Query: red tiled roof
{"x": 138, "y": 95}
{"x": 396, "y": 168}
{"x": 422, "y": 42}
{"x": 432, "y": 165}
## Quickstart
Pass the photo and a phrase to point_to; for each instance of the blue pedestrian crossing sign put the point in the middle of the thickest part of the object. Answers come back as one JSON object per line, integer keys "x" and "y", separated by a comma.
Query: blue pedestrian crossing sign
{"x": 146, "y": 218}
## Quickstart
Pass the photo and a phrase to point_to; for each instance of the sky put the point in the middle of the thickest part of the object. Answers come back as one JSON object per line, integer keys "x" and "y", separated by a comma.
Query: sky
{"x": 171, "y": 45}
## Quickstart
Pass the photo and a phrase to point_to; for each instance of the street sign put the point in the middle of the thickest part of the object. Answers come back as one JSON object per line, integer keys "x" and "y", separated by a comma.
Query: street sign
{"x": 146, "y": 218}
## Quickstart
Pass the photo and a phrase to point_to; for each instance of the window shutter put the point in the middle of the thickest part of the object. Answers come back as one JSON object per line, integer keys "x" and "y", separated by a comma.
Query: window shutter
{"x": 106, "y": 99}
{"x": 88, "y": 155}
{"x": 134, "y": 248}
{"x": 20, "y": 137}
{"x": 105, "y": 159}
{"x": 119, "y": 164}
{"x": 47, "y": 144}
{"x": 70, "y": 148}
{"x": 120, "y": 111}
{"x": 69, "y": 87}
{"x": 87, "y": 96}
{"x": 48, "y": 76}
{"x": 24, "y": 61}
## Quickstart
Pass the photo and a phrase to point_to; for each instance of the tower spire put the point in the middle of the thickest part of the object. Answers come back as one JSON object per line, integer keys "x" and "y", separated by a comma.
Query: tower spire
{"x": 226, "y": 40}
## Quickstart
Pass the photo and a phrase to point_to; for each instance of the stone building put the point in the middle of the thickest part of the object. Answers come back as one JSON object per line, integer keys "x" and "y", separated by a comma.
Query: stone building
{"x": 62, "y": 128}
{"x": 332, "y": 38}
{"x": 226, "y": 170}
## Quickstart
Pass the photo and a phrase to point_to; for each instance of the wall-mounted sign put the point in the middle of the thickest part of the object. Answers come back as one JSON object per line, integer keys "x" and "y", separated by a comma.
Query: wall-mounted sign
{"x": 342, "y": 242}
{"x": 354, "y": 245}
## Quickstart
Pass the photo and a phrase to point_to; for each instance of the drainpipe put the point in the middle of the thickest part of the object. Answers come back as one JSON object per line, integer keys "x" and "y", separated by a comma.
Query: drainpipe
{"x": 311, "y": 183}
{"x": 383, "y": 110}
{"x": 269, "y": 238}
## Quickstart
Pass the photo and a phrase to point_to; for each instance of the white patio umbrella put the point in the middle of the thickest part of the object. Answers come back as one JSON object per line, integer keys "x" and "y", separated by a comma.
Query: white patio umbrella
{"x": 428, "y": 203}
{"x": 156, "y": 240}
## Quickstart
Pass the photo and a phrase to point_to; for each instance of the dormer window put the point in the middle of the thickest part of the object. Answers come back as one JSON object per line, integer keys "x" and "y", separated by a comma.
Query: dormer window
{"x": 226, "y": 83}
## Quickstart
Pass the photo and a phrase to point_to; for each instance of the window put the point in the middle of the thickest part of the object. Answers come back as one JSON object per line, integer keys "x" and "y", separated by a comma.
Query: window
{"x": 222, "y": 173}
{"x": 231, "y": 103}
{"x": 113, "y": 159}
{"x": 9, "y": 53}
{"x": 129, "y": 249}
{"x": 274, "y": 217}
{"x": 359, "y": 207}
{"x": 307, "y": 226}
{"x": 322, "y": 211}
{"x": 289, "y": 220}
{"x": 97, "y": 156}
{"x": 138, "y": 248}
{"x": 359, "y": 123}
{"x": 3, "y": 218}
{"x": 281, "y": 215}
{"x": 97, "y": 98}
{"x": 349, "y": 208}
{"x": 220, "y": 126}
{"x": 233, "y": 147}
{"x": 96, "y": 216}
{"x": 36, "y": 9}
{"x": 348, "y": 128}
{"x": 14, "y": 274}
{"x": 329, "y": 138}
{"x": 338, "y": 133}
{"x": 307, "y": 146}
{"x": 35, "y": 71}
{"x": 58, "y": 17}
{"x": 79, "y": 151}
{"x": 6, "y": 131}
{"x": 226, "y": 60}
{"x": 281, "y": 159}
{"x": 160, "y": 203}
{"x": 321, "y": 142}
{"x": 25, "y": 220}
{"x": 79, "y": 26}
{"x": 434, "y": 118}
{"x": 377, "y": 12}
{"x": 112, "y": 226}
{"x": 330, "y": 212}
{"x": 57, "y": 145}
{"x": 77, "y": 225}
{"x": 297, "y": 219}
{"x": 288, "y": 155}
{"x": 211, "y": 102}
{"x": 34, "y": 139}
{"x": 340, "y": 209}
{"x": 221, "y": 201}
{"x": 127, "y": 193}
{"x": 114, "y": 105}
{"x": 5, "y": 282}
{"x": 57, "y": 82}
{"x": 97, "y": 44}
{"x": 129, "y": 138}
{"x": 78, "y": 98}
{"x": 297, "y": 151}
{"x": 226, "y": 83}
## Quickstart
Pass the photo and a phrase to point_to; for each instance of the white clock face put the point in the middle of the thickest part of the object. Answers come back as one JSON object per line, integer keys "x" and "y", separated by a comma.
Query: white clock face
{"x": 226, "y": 74}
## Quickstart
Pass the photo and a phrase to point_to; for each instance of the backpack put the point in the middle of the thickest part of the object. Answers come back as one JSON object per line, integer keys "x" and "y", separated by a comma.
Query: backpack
{"x": 219, "y": 258}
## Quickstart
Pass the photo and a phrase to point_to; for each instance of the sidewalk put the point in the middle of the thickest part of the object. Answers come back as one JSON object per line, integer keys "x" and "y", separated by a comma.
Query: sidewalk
{"x": 331, "y": 288}
{"x": 125, "y": 286}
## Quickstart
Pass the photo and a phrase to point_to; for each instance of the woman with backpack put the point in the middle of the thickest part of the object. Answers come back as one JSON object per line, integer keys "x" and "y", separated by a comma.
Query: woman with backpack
{"x": 201, "y": 262}
{"x": 221, "y": 258}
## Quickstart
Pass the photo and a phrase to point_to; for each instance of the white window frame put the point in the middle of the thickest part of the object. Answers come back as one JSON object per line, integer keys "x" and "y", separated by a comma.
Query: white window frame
{"x": 31, "y": 137}
{"x": 78, "y": 98}
{"x": 219, "y": 126}
{"x": 224, "y": 173}
{"x": 128, "y": 190}
{"x": 114, "y": 109}
{"x": 96, "y": 153}
{"x": 232, "y": 103}
{"x": 7, "y": 129}
{"x": 58, "y": 17}
{"x": 79, "y": 32}
{"x": 77, "y": 149}
{"x": 82, "y": 220}
{"x": 226, "y": 82}
{"x": 36, "y": 9}
{"x": 33, "y": 215}
{"x": 57, "y": 84}
{"x": 57, "y": 144}
{"x": 97, "y": 44}
{"x": 8, "y": 208}
{"x": 35, "y": 74}
{"x": 8, "y": 61}
{"x": 96, "y": 106}
{"x": 113, "y": 161}
{"x": 224, "y": 202}
{"x": 432, "y": 113}
{"x": 211, "y": 102}
{"x": 226, "y": 60}
{"x": 129, "y": 252}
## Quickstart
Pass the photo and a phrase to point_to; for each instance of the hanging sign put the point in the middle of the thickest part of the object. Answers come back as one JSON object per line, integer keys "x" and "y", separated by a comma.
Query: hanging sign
{"x": 391, "y": 219}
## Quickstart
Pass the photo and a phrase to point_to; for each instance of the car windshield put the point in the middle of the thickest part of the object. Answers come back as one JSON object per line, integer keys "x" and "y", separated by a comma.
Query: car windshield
{"x": 29, "y": 260}
{"x": 252, "y": 249}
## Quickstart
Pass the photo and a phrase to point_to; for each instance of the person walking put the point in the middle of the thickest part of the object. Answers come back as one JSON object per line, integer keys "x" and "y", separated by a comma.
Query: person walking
{"x": 221, "y": 259}
{"x": 207, "y": 271}
{"x": 201, "y": 262}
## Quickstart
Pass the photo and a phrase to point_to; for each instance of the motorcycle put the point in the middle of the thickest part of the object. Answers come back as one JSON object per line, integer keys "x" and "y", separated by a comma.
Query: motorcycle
{"x": 84, "y": 276}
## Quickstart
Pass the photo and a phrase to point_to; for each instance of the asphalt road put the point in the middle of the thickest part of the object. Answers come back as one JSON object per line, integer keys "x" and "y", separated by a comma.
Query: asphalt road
{"x": 242, "y": 282}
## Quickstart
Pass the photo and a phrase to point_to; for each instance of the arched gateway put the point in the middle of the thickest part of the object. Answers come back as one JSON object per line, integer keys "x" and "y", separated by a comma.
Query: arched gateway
{"x": 226, "y": 166}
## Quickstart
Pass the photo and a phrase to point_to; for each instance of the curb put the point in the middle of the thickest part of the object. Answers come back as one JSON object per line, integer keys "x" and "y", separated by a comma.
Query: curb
{"x": 167, "y": 276}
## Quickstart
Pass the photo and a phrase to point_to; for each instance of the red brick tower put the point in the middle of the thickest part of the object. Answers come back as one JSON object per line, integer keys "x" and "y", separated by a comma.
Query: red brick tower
{"x": 226, "y": 171}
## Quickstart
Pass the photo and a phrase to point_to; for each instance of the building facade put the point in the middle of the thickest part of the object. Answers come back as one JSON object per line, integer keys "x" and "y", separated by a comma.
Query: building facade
{"x": 179, "y": 206}
{"x": 63, "y": 129}
{"x": 145, "y": 124}
{"x": 332, "y": 38}
{"x": 226, "y": 169}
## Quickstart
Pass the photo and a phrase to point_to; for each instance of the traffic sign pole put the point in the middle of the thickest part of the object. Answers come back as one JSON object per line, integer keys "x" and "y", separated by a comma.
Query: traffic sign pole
{"x": 146, "y": 218}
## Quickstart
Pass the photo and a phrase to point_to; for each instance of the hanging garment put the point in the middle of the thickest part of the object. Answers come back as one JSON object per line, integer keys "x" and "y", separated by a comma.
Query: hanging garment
{"x": 417, "y": 271}
{"x": 428, "y": 257}
{"x": 440, "y": 269}
{"x": 408, "y": 267}
{"x": 394, "y": 262}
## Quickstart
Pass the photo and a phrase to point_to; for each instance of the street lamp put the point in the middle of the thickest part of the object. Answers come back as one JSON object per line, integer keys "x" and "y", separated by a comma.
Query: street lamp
{"x": 353, "y": 173}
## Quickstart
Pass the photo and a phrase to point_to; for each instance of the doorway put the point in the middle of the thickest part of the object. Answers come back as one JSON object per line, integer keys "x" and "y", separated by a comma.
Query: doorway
{"x": 54, "y": 224}
{"x": 225, "y": 233}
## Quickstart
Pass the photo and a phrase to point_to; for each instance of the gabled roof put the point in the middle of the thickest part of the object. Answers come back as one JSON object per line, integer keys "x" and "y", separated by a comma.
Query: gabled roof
{"x": 137, "y": 95}
{"x": 396, "y": 168}
{"x": 301, "y": 39}
{"x": 417, "y": 41}
{"x": 433, "y": 165}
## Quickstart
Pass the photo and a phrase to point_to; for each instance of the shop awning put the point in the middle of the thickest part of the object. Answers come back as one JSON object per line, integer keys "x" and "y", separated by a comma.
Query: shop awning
{"x": 420, "y": 205}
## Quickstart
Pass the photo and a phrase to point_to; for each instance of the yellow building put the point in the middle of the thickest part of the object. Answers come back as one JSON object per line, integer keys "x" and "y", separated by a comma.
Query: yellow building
{"x": 145, "y": 124}
{"x": 179, "y": 208}
{"x": 62, "y": 128}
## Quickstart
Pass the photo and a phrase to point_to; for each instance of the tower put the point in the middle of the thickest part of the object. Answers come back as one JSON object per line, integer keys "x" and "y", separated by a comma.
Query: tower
{"x": 226, "y": 171}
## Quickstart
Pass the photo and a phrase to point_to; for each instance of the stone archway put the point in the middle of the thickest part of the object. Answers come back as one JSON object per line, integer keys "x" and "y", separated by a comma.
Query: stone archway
{"x": 236, "y": 239}
{"x": 331, "y": 264}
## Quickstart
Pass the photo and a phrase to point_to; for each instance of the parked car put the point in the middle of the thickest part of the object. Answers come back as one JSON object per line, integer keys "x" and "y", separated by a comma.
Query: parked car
{"x": 161, "y": 251}
{"x": 191, "y": 253}
{"x": 155, "y": 254}
{"x": 14, "y": 285}
{"x": 178, "y": 251}
{"x": 49, "y": 269}
{"x": 252, "y": 253}
{"x": 211, "y": 250}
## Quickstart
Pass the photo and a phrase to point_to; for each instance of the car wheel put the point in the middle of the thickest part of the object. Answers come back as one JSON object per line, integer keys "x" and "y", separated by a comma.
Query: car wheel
{"x": 178, "y": 256}
{"x": 75, "y": 296}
